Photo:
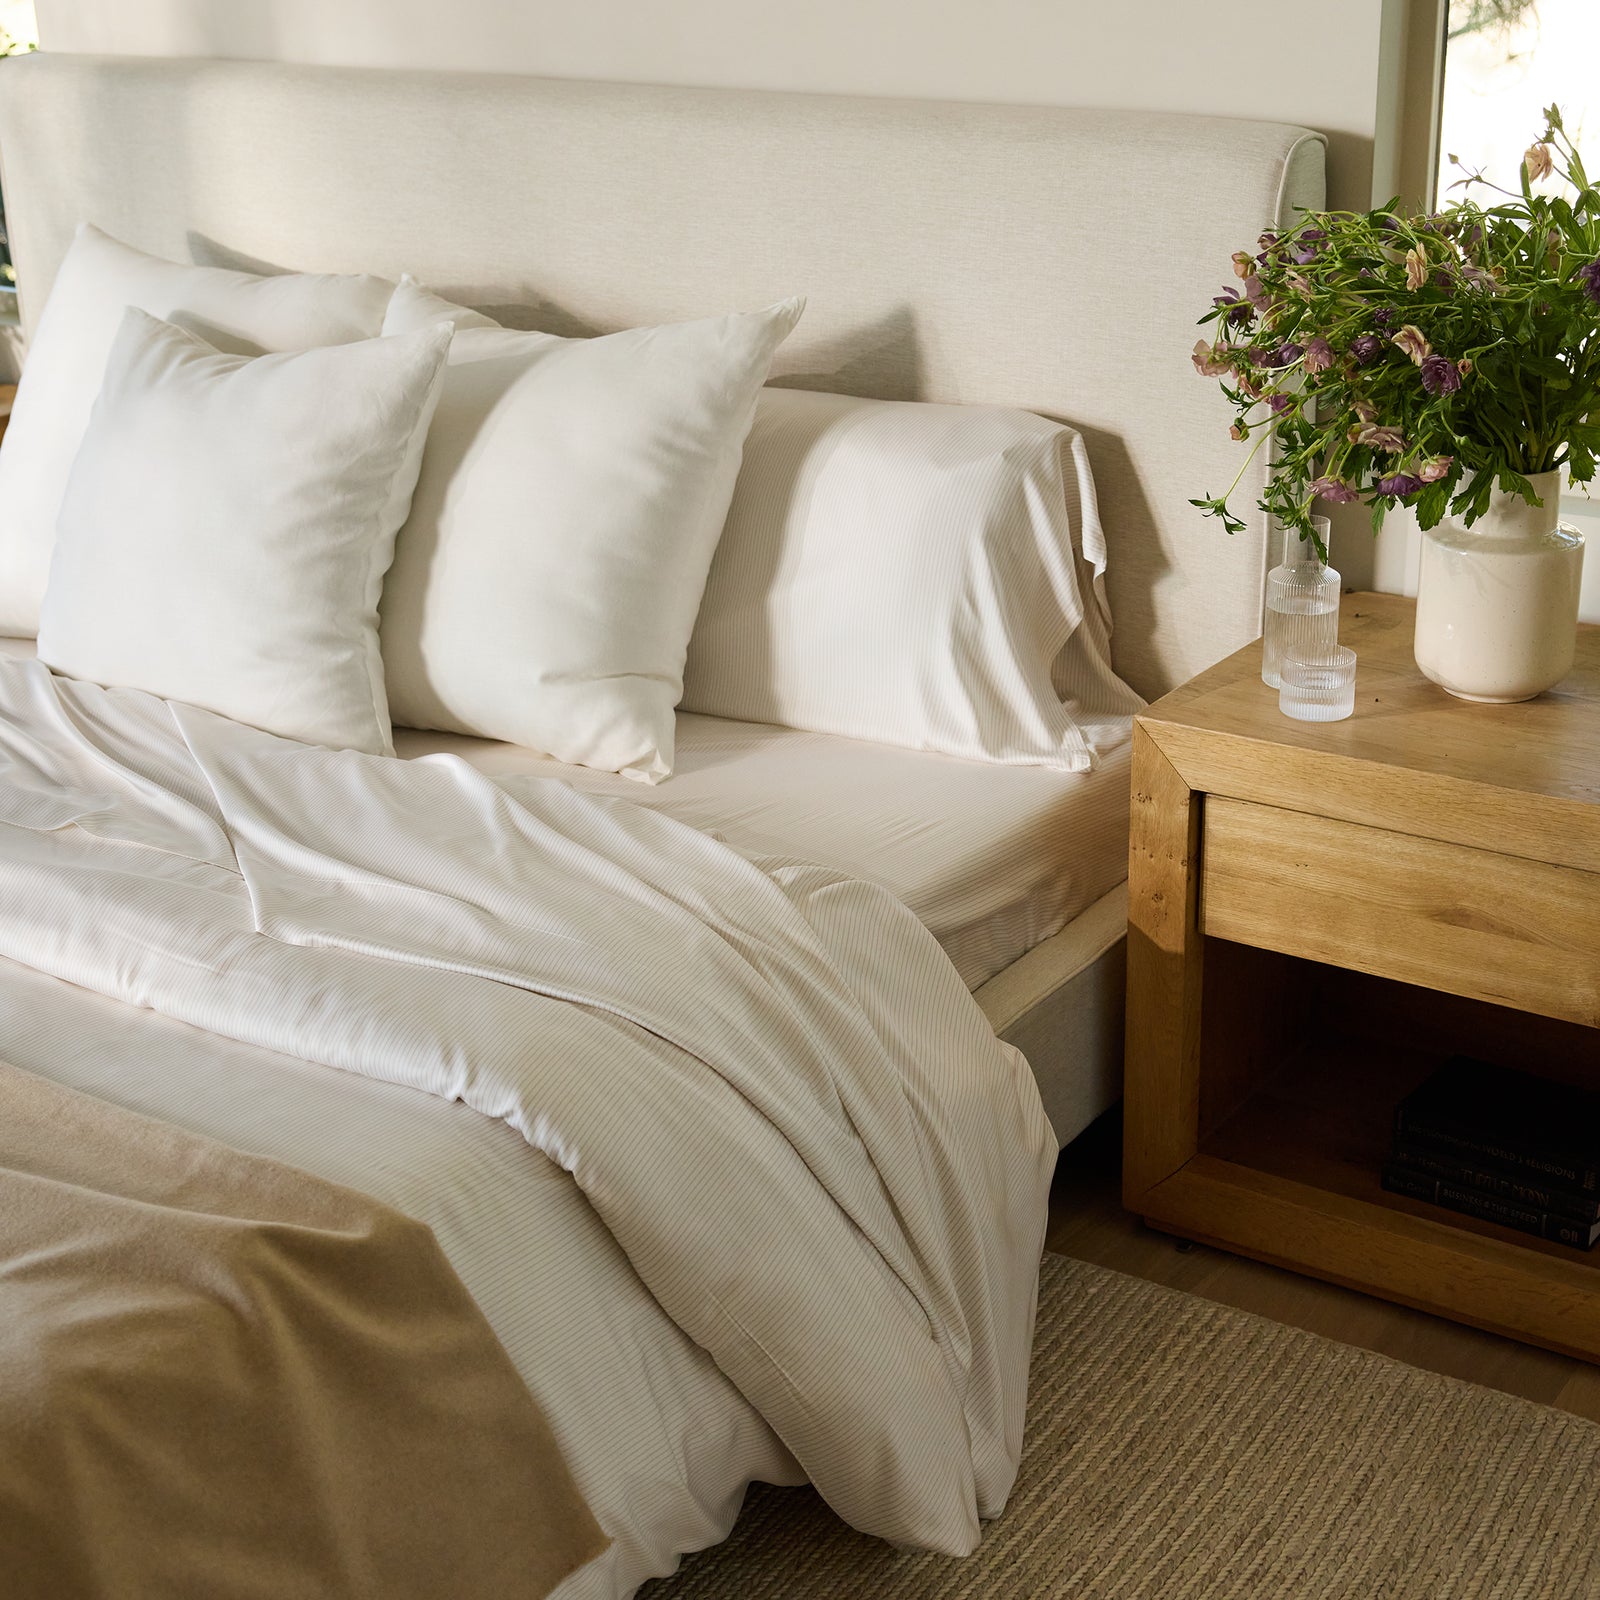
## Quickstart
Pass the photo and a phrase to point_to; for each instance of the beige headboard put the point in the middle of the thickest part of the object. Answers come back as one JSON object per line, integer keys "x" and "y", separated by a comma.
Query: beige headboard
{"x": 1050, "y": 259}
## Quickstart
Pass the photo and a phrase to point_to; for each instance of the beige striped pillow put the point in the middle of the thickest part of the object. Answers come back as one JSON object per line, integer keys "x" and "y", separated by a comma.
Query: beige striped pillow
{"x": 918, "y": 575}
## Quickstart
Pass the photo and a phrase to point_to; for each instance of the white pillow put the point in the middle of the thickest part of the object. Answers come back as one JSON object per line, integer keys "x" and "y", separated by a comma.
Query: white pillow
{"x": 909, "y": 574}
{"x": 228, "y": 523}
{"x": 98, "y": 278}
{"x": 571, "y": 496}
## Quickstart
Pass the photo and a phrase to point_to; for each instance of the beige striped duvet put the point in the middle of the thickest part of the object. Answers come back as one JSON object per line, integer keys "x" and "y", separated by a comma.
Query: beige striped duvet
{"x": 766, "y": 1080}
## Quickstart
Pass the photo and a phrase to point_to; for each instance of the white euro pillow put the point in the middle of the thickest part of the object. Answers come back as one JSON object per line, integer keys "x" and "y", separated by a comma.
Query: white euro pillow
{"x": 928, "y": 576}
{"x": 228, "y": 522}
{"x": 98, "y": 278}
{"x": 571, "y": 496}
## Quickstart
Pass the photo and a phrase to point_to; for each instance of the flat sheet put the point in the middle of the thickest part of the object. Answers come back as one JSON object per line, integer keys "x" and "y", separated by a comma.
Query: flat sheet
{"x": 163, "y": 871}
{"x": 992, "y": 860}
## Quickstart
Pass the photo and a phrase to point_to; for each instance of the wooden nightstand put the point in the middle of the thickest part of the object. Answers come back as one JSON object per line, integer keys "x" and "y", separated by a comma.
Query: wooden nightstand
{"x": 1318, "y": 914}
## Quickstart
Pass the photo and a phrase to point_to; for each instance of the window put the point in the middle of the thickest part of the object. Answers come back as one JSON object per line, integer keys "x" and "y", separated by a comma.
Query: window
{"x": 18, "y": 32}
{"x": 1504, "y": 62}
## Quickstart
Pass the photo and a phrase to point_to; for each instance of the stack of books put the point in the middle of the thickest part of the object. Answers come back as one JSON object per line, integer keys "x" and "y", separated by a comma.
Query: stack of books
{"x": 1504, "y": 1146}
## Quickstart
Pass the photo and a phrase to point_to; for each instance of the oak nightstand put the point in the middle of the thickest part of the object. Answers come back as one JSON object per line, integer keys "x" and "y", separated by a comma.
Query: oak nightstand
{"x": 1318, "y": 915}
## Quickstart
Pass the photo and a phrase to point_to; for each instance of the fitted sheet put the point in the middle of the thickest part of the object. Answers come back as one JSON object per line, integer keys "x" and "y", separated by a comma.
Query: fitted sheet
{"x": 992, "y": 860}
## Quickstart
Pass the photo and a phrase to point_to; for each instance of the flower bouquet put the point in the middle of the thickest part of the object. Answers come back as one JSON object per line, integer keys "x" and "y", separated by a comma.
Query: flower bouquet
{"x": 1420, "y": 360}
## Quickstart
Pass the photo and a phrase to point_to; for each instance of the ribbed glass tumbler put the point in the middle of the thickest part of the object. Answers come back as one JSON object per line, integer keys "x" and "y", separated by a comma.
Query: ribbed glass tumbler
{"x": 1302, "y": 604}
{"x": 1320, "y": 686}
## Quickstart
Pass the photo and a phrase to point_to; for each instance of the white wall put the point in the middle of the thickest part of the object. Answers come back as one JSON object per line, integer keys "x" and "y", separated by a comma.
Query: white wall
{"x": 1315, "y": 62}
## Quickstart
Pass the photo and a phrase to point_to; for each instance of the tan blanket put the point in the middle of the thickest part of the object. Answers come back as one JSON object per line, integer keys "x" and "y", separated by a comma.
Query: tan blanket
{"x": 222, "y": 1377}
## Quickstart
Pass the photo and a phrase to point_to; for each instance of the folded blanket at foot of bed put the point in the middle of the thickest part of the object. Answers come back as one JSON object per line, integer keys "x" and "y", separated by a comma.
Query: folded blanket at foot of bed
{"x": 219, "y": 1375}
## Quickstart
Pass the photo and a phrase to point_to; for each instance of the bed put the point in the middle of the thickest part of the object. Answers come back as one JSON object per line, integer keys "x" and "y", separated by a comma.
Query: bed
{"x": 585, "y": 207}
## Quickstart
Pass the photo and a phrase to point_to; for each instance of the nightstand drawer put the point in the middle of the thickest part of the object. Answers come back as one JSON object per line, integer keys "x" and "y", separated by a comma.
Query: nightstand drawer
{"x": 1492, "y": 927}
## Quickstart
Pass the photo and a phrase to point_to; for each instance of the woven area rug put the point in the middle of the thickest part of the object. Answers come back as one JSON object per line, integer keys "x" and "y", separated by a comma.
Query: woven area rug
{"x": 1182, "y": 1450}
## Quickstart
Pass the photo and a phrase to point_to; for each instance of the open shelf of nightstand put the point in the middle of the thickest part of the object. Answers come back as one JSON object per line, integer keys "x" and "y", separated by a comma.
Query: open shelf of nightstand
{"x": 1324, "y": 1120}
{"x": 1301, "y": 1073}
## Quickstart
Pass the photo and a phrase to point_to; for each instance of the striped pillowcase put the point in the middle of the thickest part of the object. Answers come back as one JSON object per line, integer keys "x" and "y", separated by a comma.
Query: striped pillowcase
{"x": 912, "y": 574}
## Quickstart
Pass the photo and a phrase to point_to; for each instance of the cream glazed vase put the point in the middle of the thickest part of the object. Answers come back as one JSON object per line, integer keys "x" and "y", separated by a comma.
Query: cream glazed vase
{"x": 1497, "y": 603}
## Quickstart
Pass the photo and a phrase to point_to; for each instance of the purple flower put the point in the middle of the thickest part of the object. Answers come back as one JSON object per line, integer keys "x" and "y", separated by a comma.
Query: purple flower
{"x": 1437, "y": 467}
{"x": 1334, "y": 489}
{"x": 1366, "y": 348}
{"x": 1319, "y": 355}
{"x": 1280, "y": 403}
{"x": 1308, "y": 245}
{"x": 1285, "y": 355}
{"x": 1589, "y": 279}
{"x": 1439, "y": 375}
{"x": 1384, "y": 318}
{"x": 1239, "y": 311}
{"x": 1400, "y": 485}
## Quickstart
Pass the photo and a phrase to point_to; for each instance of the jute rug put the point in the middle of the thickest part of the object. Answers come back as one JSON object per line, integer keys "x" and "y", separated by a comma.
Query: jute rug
{"x": 1182, "y": 1450}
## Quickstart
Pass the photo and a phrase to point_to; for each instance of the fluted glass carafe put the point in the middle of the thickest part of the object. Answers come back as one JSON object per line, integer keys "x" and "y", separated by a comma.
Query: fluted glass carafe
{"x": 1302, "y": 603}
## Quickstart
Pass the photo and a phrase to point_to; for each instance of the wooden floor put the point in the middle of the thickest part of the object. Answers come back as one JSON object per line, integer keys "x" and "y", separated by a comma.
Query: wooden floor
{"x": 1087, "y": 1221}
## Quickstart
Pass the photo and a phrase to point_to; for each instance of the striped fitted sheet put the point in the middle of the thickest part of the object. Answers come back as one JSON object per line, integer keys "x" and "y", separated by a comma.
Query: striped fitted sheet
{"x": 771, "y": 1087}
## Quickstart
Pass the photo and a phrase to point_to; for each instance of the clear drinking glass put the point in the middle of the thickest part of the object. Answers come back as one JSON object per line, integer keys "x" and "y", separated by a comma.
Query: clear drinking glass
{"x": 1302, "y": 603}
{"x": 1318, "y": 685}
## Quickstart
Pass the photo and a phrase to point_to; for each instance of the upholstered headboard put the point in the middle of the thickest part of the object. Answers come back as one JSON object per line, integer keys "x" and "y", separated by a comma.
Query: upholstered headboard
{"x": 1050, "y": 259}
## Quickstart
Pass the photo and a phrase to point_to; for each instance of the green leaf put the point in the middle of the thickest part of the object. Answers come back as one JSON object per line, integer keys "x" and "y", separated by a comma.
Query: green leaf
{"x": 1514, "y": 483}
{"x": 1473, "y": 501}
{"x": 1432, "y": 503}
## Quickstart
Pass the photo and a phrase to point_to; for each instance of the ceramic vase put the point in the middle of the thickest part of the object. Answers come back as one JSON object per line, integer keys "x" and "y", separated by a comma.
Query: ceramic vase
{"x": 1497, "y": 603}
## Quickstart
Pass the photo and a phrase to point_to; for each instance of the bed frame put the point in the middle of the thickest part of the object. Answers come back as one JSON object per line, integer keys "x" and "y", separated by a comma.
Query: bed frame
{"x": 1029, "y": 256}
